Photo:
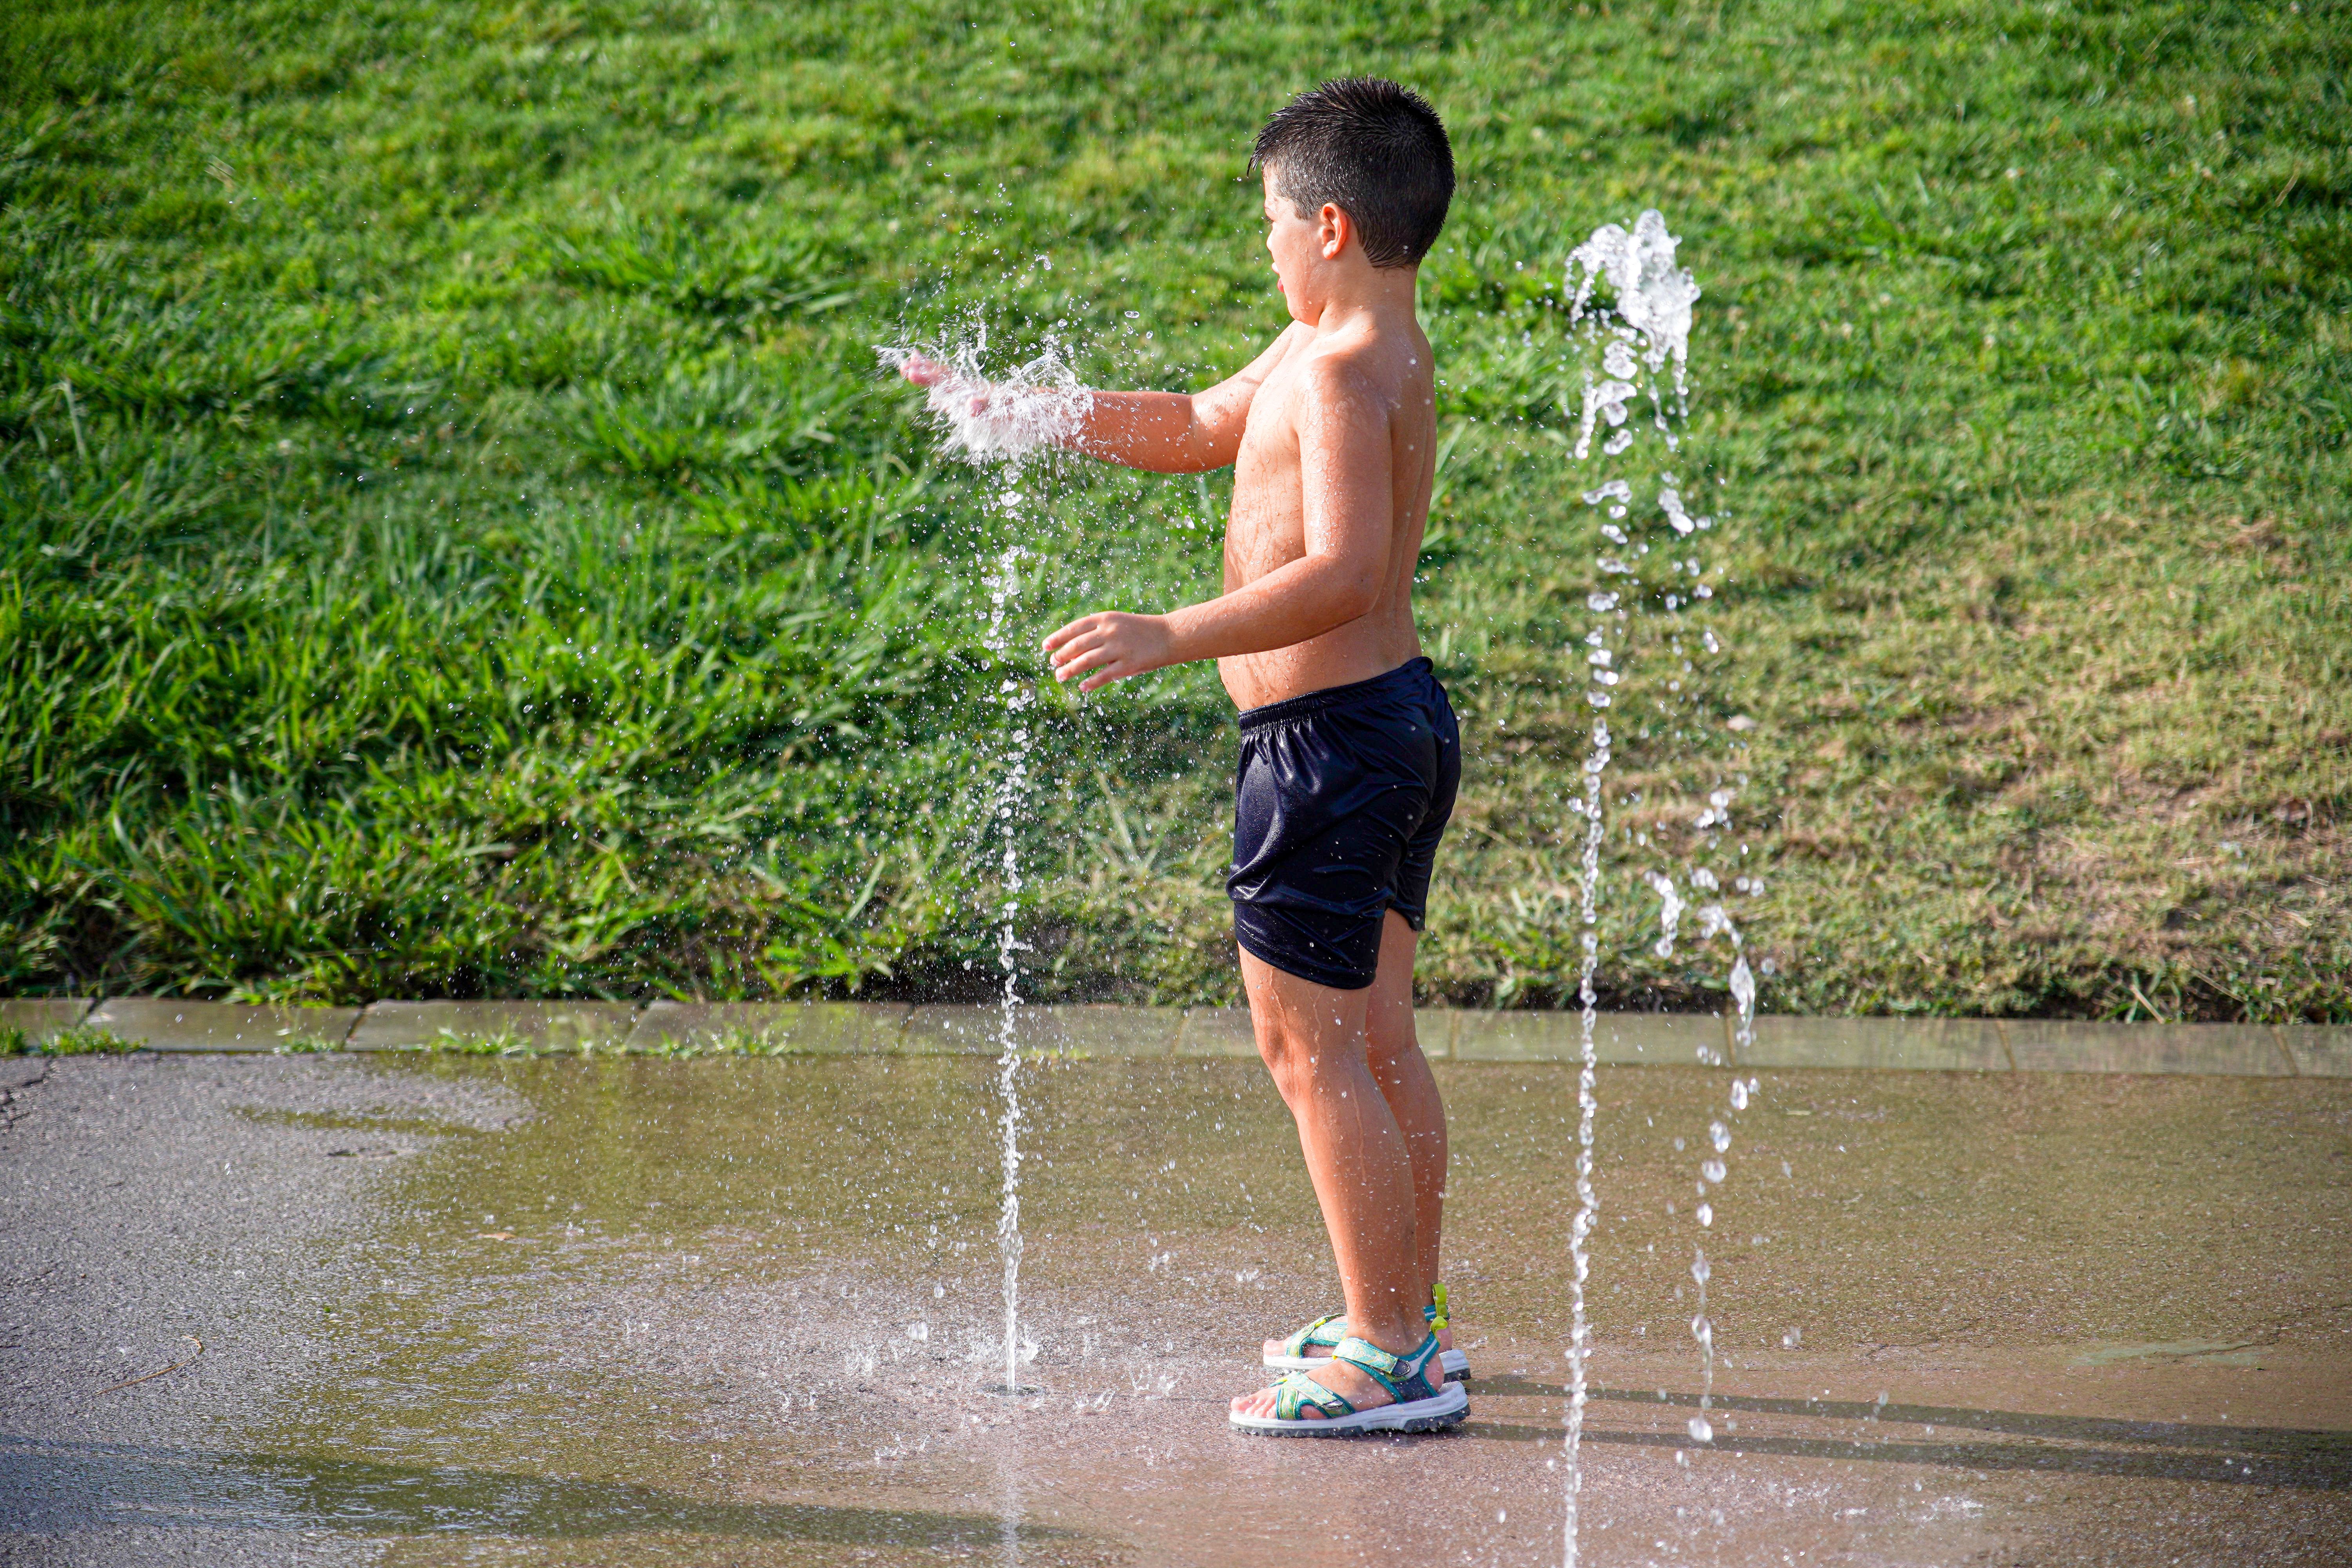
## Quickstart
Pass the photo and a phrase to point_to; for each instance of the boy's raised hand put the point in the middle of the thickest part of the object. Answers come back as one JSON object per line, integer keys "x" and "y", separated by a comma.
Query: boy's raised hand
{"x": 924, "y": 371}
{"x": 945, "y": 380}
{"x": 1110, "y": 645}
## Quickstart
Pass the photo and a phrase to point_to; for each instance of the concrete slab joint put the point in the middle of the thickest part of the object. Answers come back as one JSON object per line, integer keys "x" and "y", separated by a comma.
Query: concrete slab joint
{"x": 2318, "y": 1051}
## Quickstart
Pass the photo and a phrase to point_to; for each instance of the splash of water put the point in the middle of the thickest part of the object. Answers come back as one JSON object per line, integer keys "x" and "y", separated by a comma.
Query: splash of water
{"x": 1713, "y": 1164}
{"x": 1670, "y": 910}
{"x": 1702, "y": 1330}
{"x": 1039, "y": 404}
{"x": 1651, "y": 321}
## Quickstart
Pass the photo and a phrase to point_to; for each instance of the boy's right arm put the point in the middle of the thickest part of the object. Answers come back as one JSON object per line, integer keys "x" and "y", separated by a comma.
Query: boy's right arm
{"x": 1162, "y": 432}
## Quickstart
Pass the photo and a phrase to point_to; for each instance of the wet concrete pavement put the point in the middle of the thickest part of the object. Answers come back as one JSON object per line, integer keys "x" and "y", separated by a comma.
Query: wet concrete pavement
{"x": 742, "y": 1311}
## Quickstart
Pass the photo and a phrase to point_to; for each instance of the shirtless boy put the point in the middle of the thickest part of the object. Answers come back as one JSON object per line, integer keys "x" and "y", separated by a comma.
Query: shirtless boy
{"x": 1349, "y": 753}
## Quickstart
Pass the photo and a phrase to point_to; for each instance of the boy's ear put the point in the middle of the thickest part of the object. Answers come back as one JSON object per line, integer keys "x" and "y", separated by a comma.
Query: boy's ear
{"x": 1333, "y": 229}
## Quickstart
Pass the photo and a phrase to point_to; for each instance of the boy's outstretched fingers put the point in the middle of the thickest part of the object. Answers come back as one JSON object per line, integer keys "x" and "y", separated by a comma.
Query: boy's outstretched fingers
{"x": 923, "y": 370}
{"x": 929, "y": 373}
{"x": 1109, "y": 646}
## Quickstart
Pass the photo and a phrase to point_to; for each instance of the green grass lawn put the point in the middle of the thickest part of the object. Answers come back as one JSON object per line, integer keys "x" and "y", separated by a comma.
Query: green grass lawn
{"x": 454, "y": 538}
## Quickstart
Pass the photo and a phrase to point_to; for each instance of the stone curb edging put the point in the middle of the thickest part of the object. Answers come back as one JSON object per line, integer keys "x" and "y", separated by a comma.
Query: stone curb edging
{"x": 834, "y": 1028}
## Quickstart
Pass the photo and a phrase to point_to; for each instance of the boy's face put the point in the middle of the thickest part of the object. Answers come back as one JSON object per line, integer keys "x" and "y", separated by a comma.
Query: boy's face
{"x": 1298, "y": 242}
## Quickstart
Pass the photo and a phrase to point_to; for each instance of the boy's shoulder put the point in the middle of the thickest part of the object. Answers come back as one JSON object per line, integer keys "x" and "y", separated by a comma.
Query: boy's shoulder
{"x": 1373, "y": 362}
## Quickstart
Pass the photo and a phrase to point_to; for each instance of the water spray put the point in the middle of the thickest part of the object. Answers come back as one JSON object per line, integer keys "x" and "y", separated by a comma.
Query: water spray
{"x": 1640, "y": 336}
{"x": 991, "y": 422}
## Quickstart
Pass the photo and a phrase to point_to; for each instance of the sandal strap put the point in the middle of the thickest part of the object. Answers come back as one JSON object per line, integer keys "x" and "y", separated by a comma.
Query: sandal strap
{"x": 1404, "y": 1376}
{"x": 1314, "y": 1334}
{"x": 1330, "y": 1328}
{"x": 1297, "y": 1391}
{"x": 1370, "y": 1357}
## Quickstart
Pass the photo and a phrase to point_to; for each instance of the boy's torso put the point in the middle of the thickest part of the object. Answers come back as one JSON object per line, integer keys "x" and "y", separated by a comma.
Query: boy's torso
{"x": 1266, "y": 527}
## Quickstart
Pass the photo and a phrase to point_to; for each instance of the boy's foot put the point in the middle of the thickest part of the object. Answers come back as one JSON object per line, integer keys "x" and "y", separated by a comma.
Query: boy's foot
{"x": 1312, "y": 1346}
{"x": 1360, "y": 1388}
{"x": 1321, "y": 1335}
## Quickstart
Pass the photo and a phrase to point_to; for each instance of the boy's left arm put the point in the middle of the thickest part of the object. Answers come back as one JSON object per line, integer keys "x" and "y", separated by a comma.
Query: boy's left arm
{"x": 1347, "y": 521}
{"x": 1160, "y": 432}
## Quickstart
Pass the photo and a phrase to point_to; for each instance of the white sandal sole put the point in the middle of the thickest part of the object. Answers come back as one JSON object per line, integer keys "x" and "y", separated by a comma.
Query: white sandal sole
{"x": 1415, "y": 1415}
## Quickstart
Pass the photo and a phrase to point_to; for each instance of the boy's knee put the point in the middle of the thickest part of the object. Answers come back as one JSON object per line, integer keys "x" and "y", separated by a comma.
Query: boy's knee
{"x": 1297, "y": 1056}
{"x": 1391, "y": 1044}
{"x": 1288, "y": 1056}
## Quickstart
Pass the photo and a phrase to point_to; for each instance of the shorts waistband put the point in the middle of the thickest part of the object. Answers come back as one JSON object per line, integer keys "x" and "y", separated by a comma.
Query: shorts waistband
{"x": 1402, "y": 678}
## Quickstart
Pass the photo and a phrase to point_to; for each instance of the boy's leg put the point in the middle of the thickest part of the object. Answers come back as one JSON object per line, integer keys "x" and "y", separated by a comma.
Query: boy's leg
{"x": 1313, "y": 1039}
{"x": 1394, "y": 1054}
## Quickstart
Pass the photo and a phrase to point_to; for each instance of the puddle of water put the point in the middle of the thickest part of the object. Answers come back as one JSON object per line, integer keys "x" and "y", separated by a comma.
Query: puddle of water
{"x": 743, "y": 1311}
{"x": 746, "y": 1311}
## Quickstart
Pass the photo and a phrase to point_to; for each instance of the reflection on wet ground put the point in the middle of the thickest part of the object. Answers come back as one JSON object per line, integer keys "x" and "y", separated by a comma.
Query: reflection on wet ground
{"x": 743, "y": 1312}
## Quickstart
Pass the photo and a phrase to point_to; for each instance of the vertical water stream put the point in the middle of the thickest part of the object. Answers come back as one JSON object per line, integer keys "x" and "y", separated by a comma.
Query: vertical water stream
{"x": 1004, "y": 423}
{"x": 1588, "y": 1102}
{"x": 1008, "y": 803}
{"x": 1638, "y": 334}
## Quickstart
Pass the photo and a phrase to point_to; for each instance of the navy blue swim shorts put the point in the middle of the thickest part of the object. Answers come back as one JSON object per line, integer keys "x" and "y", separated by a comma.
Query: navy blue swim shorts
{"x": 1338, "y": 806}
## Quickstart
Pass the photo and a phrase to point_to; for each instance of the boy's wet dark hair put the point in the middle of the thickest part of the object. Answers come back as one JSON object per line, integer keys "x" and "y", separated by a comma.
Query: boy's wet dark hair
{"x": 1372, "y": 149}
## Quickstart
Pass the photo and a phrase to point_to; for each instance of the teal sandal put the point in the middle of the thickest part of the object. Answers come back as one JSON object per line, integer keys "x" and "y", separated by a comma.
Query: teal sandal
{"x": 1415, "y": 1405}
{"x": 1325, "y": 1333}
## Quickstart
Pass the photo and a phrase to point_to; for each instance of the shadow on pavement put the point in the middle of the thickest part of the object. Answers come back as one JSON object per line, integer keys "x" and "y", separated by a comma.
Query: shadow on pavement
{"x": 48, "y": 1487}
{"x": 2244, "y": 1455}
